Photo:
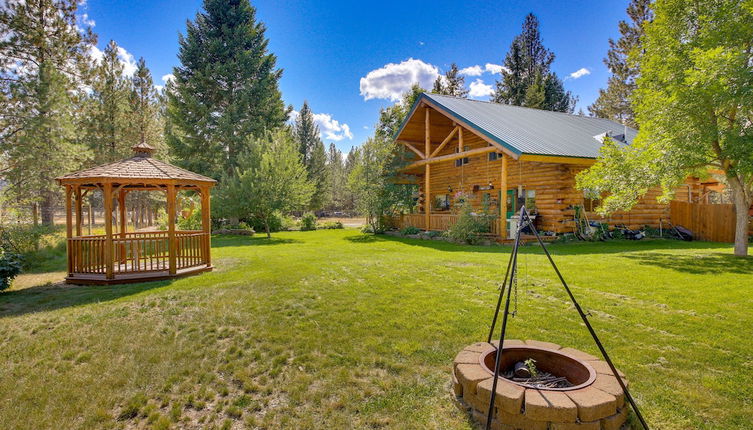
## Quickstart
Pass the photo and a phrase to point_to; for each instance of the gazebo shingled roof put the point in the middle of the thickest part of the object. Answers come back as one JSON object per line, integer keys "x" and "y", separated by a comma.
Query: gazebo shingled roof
{"x": 140, "y": 166}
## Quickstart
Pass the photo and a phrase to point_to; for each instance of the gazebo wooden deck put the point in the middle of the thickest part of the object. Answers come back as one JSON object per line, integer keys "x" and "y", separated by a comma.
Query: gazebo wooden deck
{"x": 121, "y": 256}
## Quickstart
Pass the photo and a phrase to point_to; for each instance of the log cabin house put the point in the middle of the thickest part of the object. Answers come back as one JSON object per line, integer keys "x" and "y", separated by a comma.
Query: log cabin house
{"x": 500, "y": 156}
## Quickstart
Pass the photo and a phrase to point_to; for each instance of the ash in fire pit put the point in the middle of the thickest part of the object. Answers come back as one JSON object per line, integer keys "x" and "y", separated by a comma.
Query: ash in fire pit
{"x": 525, "y": 373}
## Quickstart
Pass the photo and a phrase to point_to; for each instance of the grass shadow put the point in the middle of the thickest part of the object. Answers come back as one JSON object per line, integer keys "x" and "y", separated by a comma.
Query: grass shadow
{"x": 365, "y": 238}
{"x": 710, "y": 263}
{"x": 50, "y": 297}
{"x": 564, "y": 248}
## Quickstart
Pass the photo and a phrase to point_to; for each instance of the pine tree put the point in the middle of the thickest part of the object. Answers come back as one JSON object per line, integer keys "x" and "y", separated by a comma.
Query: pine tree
{"x": 451, "y": 84}
{"x": 146, "y": 121}
{"x": 614, "y": 101}
{"x": 335, "y": 169}
{"x": 313, "y": 154}
{"x": 306, "y": 132}
{"x": 43, "y": 57}
{"x": 528, "y": 63}
{"x": 225, "y": 90}
{"x": 108, "y": 119}
{"x": 146, "y": 124}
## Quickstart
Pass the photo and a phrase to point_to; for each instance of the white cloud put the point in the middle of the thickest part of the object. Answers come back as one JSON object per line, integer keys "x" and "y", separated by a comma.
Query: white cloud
{"x": 580, "y": 73}
{"x": 472, "y": 71}
{"x": 392, "y": 80}
{"x": 477, "y": 70}
{"x": 129, "y": 63}
{"x": 329, "y": 128}
{"x": 87, "y": 21}
{"x": 125, "y": 57}
{"x": 168, "y": 78}
{"x": 495, "y": 68}
{"x": 480, "y": 89}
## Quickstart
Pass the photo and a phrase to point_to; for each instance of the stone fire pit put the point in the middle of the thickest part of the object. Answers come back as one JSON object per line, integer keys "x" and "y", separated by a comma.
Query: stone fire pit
{"x": 594, "y": 402}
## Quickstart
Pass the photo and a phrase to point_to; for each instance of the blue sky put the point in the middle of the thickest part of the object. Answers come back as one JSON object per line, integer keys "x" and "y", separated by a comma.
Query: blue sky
{"x": 348, "y": 58}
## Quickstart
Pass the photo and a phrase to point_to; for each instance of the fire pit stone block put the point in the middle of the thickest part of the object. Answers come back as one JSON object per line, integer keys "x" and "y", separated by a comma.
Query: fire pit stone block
{"x": 554, "y": 406}
{"x": 593, "y": 404}
{"x": 509, "y": 396}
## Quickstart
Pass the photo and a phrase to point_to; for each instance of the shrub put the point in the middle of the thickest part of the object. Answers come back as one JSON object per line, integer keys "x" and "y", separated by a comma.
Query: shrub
{"x": 469, "y": 227}
{"x": 193, "y": 222}
{"x": 25, "y": 238}
{"x": 410, "y": 230}
{"x": 367, "y": 229}
{"x": 308, "y": 222}
{"x": 330, "y": 225}
{"x": 10, "y": 267}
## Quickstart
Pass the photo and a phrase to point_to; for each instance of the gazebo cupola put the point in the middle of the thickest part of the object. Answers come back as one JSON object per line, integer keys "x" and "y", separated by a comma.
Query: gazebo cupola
{"x": 119, "y": 255}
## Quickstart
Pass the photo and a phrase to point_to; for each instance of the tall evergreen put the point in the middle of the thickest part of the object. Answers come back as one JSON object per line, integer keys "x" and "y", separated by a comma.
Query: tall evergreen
{"x": 108, "y": 115}
{"x": 43, "y": 56}
{"x": 225, "y": 90}
{"x": 614, "y": 101}
{"x": 336, "y": 178}
{"x": 528, "y": 64}
{"x": 313, "y": 154}
{"x": 451, "y": 84}
{"x": 146, "y": 122}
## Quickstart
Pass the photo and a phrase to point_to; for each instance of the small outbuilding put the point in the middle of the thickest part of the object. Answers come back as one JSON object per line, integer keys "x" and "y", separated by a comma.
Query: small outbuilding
{"x": 121, "y": 256}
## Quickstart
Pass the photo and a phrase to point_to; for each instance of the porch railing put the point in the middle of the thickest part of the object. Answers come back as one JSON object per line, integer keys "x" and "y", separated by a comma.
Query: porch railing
{"x": 437, "y": 222}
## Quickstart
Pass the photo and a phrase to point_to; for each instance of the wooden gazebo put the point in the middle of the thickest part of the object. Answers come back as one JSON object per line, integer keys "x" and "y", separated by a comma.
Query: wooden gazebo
{"x": 133, "y": 256}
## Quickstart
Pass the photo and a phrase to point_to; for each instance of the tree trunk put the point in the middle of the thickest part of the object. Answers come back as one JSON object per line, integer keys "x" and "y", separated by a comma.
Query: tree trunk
{"x": 48, "y": 209}
{"x": 35, "y": 214}
{"x": 742, "y": 206}
{"x": 266, "y": 228}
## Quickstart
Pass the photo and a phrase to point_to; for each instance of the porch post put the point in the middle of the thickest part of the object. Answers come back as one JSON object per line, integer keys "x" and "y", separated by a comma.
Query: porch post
{"x": 206, "y": 224}
{"x": 503, "y": 199}
{"x": 427, "y": 176}
{"x": 108, "y": 231}
{"x": 69, "y": 227}
{"x": 171, "y": 228}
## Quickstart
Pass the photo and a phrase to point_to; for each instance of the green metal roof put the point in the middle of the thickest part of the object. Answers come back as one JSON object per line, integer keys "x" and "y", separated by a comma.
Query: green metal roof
{"x": 532, "y": 131}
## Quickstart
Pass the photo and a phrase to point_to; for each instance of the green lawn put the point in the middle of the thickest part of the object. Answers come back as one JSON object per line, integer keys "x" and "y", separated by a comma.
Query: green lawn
{"x": 334, "y": 329}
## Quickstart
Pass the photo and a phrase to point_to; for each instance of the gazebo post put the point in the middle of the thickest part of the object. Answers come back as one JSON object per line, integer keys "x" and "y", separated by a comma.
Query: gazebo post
{"x": 206, "y": 224}
{"x": 171, "y": 227}
{"x": 108, "y": 230}
{"x": 78, "y": 210}
{"x": 68, "y": 227}
{"x": 122, "y": 224}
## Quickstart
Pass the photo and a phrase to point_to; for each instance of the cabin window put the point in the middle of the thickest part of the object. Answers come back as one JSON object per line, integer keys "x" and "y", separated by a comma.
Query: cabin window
{"x": 494, "y": 156}
{"x": 530, "y": 202}
{"x": 461, "y": 161}
{"x": 442, "y": 202}
{"x": 591, "y": 200}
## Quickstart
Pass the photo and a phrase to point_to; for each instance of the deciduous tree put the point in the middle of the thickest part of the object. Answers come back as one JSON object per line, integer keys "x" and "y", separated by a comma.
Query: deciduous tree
{"x": 270, "y": 178}
{"x": 693, "y": 105}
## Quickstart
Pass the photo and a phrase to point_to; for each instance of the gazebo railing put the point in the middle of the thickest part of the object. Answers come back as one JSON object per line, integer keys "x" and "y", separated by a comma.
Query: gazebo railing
{"x": 138, "y": 252}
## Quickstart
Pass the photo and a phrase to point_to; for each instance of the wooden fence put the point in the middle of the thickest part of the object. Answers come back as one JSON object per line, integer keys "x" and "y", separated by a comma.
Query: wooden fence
{"x": 714, "y": 223}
